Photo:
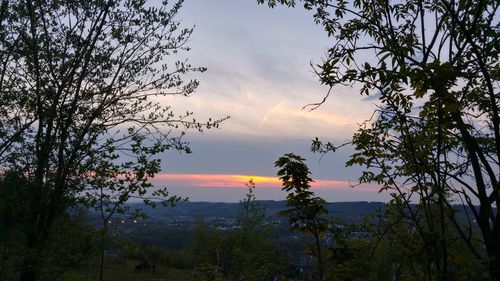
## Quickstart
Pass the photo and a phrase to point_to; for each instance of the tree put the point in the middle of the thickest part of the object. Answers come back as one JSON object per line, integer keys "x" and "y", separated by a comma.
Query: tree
{"x": 349, "y": 253}
{"x": 256, "y": 256}
{"x": 245, "y": 253}
{"x": 405, "y": 254}
{"x": 109, "y": 193}
{"x": 435, "y": 136}
{"x": 71, "y": 242}
{"x": 250, "y": 215}
{"x": 305, "y": 212}
{"x": 13, "y": 217}
{"x": 80, "y": 108}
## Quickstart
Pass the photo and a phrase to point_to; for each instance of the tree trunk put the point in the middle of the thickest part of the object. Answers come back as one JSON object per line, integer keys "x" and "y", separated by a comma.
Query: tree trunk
{"x": 320, "y": 258}
{"x": 493, "y": 250}
{"x": 101, "y": 267}
{"x": 103, "y": 237}
{"x": 30, "y": 269}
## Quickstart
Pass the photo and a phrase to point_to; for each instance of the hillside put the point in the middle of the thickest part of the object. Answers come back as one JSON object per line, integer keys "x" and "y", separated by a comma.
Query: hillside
{"x": 348, "y": 211}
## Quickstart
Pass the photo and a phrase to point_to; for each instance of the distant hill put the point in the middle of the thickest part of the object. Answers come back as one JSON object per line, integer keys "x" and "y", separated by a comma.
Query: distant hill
{"x": 175, "y": 228}
{"x": 349, "y": 211}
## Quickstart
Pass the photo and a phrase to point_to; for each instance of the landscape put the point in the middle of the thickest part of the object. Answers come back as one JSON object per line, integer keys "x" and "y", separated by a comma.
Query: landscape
{"x": 249, "y": 140}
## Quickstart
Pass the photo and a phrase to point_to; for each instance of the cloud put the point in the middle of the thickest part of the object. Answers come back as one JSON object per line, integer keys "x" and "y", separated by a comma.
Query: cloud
{"x": 238, "y": 181}
{"x": 270, "y": 112}
{"x": 215, "y": 180}
{"x": 259, "y": 73}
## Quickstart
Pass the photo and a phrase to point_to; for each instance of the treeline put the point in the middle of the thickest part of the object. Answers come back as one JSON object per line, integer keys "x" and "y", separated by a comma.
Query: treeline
{"x": 386, "y": 246}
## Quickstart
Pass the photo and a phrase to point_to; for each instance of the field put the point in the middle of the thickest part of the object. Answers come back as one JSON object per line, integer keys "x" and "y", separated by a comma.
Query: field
{"x": 124, "y": 270}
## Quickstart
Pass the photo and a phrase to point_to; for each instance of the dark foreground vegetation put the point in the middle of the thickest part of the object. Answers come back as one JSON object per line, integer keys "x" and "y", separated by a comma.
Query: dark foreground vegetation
{"x": 82, "y": 126}
{"x": 250, "y": 240}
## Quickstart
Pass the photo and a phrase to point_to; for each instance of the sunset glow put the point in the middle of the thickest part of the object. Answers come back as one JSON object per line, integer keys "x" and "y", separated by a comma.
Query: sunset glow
{"x": 240, "y": 181}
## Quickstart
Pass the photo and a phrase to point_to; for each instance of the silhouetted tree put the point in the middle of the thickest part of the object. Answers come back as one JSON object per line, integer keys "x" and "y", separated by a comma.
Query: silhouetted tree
{"x": 71, "y": 240}
{"x": 251, "y": 215}
{"x": 305, "y": 212}
{"x": 256, "y": 255}
{"x": 244, "y": 253}
{"x": 13, "y": 220}
{"x": 80, "y": 103}
{"x": 435, "y": 136}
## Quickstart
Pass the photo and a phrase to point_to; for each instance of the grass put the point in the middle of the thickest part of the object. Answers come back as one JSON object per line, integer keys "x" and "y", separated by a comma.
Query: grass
{"x": 118, "y": 269}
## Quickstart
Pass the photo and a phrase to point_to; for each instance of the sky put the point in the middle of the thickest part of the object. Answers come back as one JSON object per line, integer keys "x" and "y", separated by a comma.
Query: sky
{"x": 259, "y": 73}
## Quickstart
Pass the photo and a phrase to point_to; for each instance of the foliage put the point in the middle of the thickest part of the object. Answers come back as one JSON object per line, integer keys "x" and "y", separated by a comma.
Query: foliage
{"x": 71, "y": 241}
{"x": 13, "y": 219}
{"x": 251, "y": 215}
{"x": 257, "y": 258}
{"x": 411, "y": 256}
{"x": 80, "y": 111}
{"x": 349, "y": 253}
{"x": 244, "y": 253}
{"x": 305, "y": 212}
{"x": 435, "y": 136}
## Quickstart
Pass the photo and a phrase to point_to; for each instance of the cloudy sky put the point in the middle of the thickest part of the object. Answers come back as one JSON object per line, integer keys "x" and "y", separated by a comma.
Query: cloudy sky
{"x": 259, "y": 73}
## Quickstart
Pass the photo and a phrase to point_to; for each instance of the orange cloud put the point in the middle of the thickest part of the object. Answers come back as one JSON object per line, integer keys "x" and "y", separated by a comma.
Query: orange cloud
{"x": 239, "y": 181}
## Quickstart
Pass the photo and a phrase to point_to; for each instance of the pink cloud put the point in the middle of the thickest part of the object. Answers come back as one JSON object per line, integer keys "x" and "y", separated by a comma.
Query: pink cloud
{"x": 239, "y": 181}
